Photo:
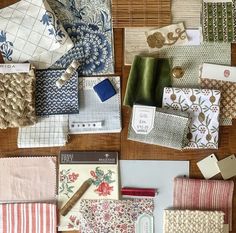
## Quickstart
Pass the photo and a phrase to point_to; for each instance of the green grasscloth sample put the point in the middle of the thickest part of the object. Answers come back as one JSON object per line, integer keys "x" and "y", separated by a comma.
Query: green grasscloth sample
{"x": 147, "y": 79}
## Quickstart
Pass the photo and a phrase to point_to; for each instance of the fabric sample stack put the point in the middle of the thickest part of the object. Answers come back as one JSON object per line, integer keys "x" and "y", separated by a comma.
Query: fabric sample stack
{"x": 221, "y": 78}
{"x": 169, "y": 130}
{"x": 28, "y": 195}
{"x": 17, "y": 96}
{"x": 203, "y": 105}
{"x": 89, "y": 25}
{"x": 196, "y": 194}
{"x": 30, "y": 31}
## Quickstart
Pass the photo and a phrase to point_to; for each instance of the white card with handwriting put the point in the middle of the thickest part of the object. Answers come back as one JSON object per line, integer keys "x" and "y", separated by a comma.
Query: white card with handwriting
{"x": 143, "y": 119}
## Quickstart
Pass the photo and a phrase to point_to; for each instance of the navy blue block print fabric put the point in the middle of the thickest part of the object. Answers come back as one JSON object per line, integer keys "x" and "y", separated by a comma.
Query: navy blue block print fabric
{"x": 50, "y": 99}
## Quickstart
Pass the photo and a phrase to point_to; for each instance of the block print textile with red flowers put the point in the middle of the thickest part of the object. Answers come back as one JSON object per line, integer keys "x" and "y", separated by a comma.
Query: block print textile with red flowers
{"x": 203, "y": 106}
{"x": 107, "y": 216}
{"x": 102, "y": 181}
{"x": 67, "y": 179}
{"x": 71, "y": 177}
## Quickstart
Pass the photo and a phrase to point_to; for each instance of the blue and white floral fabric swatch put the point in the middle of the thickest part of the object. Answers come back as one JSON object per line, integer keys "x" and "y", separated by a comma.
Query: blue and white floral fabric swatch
{"x": 52, "y": 100}
{"x": 89, "y": 25}
{"x": 30, "y": 31}
{"x": 203, "y": 105}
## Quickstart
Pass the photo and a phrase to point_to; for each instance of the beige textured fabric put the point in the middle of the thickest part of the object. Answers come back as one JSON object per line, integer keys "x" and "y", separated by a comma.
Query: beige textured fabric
{"x": 186, "y": 11}
{"x": 189, "y": 57}
{"x": 186, "y": 221}
{"x": 17, "y": 99}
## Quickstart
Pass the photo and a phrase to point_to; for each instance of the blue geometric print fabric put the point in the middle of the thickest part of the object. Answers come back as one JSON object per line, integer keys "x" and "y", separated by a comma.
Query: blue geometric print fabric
{"x": 89, "y": 25}
{"x": 50, "y": 99}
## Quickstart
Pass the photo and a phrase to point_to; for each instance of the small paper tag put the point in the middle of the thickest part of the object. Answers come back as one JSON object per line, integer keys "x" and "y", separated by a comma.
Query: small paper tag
{"x": 143, "y": 119}
{"x": 14, "y": 68}
{"x": 144, "y": 224}
{"x": 218, "y": 72}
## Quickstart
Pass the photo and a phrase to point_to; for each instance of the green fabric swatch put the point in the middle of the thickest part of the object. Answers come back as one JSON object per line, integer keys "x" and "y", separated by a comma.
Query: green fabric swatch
{"x": 218, "y": 21}
{"x": 147, "y": 79}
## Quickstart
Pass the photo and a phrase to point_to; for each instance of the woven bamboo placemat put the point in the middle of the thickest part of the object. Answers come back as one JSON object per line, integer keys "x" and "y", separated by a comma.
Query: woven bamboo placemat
{"x": 139, "y": 13}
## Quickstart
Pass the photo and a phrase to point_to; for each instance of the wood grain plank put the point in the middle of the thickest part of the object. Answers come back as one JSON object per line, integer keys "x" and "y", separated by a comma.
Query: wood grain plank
{"x": 5, "y": 3}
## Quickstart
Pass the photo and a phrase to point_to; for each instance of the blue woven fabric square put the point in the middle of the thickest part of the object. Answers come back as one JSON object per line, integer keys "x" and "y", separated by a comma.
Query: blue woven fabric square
{"x": 50, "y": 99}
{"x": 105, "y": 90}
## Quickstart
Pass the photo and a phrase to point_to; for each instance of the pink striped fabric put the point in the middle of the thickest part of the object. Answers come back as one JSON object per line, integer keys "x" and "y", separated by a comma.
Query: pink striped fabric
{"x": 28, "y": 218}
{"x": 196, "y": 194}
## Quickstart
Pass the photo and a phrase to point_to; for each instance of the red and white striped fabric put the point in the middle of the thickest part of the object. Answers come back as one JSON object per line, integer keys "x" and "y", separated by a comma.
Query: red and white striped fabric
{"x": 28, "y": 218}
{"x": 196, "y": 194}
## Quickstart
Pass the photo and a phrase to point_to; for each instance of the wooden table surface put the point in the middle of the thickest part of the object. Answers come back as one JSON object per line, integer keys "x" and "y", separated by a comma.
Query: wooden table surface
{"x": 119, "y": 142}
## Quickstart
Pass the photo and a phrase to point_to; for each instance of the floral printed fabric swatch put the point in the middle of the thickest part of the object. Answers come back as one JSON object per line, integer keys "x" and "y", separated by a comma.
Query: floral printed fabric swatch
{"x": 218, "y": 21}
{"x": 113, "y": 216}
{"x": 89, "y": 25}
{"x": 30, "y": 31}
{"x": 71, "y": 176}
{"x": 196, "y": 194}
{"x": 176, "y": 221}
{"x": 203, "y": 107}
{"x": 174, "y": 34}
{"x": 30, "y": 217}
{"x": 52, "y": 100}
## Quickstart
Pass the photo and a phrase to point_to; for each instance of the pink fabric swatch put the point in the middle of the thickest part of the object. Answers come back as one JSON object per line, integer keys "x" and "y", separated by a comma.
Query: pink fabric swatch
{"x": 27, "y": 179}
{"x": 197, "y": 194}
{"x": 28, "y": 218}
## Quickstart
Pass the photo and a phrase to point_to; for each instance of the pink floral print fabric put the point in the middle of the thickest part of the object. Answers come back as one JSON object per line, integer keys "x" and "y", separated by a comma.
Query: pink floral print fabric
{"x": 109, "y": 216}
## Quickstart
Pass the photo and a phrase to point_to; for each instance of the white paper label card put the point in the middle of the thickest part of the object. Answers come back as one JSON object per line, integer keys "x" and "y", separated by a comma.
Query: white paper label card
{"x": 144, "y": 224}
{"x": 143, "y": 119}
{"x": 14, "y": 68}
{"x": 194, "y": 37}
{"x": 219, "y": 72}
{"x": 227, "y": 167}
{"x": 208, "y": 166}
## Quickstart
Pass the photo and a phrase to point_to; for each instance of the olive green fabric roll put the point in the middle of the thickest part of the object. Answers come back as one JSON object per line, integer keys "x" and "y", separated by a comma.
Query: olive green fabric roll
{"x": 147, "y": 79}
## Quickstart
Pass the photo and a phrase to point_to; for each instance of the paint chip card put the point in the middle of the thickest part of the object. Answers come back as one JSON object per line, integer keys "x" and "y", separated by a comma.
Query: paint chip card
{"x": 208, "y": 166}
{"x": 227, "y": 167}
